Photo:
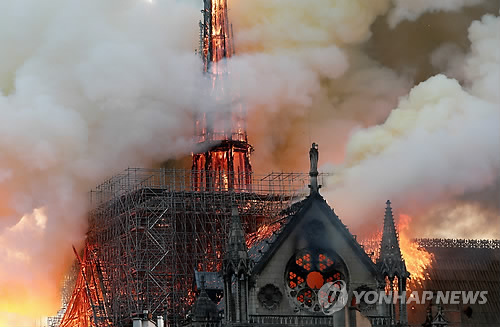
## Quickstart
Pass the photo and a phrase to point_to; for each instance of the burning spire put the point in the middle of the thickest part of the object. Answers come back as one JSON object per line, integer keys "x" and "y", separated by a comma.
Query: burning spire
{"x": 222, "y": 159}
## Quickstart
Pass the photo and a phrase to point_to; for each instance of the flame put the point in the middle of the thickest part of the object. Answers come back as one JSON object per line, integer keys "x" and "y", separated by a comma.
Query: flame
{"x": 371, "y": 245}
{"x": 264, "y": 231}
{"x": 417, "y": 259}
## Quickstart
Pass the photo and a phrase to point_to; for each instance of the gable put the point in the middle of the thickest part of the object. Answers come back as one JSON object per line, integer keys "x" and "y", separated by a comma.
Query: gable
{"x": 308, "y": 216}
{"x": 312, "y": 231}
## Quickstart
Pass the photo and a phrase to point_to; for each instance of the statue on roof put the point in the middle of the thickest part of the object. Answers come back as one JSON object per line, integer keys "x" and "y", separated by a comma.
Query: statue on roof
{"x": 314, "y": 157}
{"x": 313, "y": 172}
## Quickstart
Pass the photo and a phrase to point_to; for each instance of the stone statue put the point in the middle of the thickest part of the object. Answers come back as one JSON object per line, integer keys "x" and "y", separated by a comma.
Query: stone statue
{"x": 313, "y": 157}
{"x": 313, "y": 173}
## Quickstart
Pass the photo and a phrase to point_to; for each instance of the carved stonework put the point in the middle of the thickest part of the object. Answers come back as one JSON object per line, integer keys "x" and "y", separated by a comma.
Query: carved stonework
{"x": 457, "y": 243}
{"x": 269, "y": 296}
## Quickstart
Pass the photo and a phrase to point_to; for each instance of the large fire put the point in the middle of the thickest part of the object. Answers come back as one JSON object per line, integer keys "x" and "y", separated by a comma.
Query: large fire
{"x": 417, "y": 259}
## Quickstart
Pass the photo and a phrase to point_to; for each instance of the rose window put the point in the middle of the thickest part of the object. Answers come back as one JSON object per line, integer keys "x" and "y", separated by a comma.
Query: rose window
{"x": 306, "y": 273}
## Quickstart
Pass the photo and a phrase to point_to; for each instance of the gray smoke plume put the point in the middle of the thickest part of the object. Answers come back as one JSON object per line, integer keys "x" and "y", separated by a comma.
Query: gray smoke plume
{"x": 88, "y": 88}
{"x": 435, "y": 150}
{"x": 412, "y": 10}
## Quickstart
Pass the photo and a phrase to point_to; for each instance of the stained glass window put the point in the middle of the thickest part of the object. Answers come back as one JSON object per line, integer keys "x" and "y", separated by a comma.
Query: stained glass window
{"x": 306, "y": 273}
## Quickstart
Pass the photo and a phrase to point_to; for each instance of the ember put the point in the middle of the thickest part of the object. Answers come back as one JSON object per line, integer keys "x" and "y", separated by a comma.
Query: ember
{"x": 264, "y": 232}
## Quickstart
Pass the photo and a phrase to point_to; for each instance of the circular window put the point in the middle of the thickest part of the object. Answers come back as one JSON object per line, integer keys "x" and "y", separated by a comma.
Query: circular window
{"x": 306, "y": 273}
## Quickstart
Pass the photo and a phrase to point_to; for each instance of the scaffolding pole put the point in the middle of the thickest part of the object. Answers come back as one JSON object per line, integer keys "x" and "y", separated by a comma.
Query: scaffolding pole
{"x": 150, "y": 229}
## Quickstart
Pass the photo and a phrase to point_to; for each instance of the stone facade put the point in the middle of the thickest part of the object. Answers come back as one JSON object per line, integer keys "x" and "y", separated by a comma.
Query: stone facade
{"x": 279, "y": 280}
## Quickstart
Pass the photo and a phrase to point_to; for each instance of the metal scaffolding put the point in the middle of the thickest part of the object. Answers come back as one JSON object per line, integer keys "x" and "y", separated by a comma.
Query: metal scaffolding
{"x": 151, "y": 229}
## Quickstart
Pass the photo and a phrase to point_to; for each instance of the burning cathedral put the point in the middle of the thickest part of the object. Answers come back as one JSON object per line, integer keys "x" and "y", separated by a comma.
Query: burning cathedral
{"x": 218, "y": 245}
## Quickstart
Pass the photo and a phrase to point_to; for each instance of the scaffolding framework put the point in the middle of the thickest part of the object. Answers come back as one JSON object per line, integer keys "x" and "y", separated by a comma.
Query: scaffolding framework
{"x": 151, "y": 229}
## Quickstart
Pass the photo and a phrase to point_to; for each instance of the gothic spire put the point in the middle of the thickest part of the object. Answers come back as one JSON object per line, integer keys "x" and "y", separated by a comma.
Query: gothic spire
{"x": 391, "y": 265}
{"x": 236, "y": 273}
{"x": 236, "y": 247}
{"x": 390, "y": 239}
{"x": 390, "y": 260}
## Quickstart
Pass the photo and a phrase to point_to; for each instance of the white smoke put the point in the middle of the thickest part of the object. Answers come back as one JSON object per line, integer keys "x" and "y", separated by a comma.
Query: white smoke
{"x": 482, "y": 66}
{"x": 441, "y": 142}
{"x": 412, "y": 9}
{"x": 303, "y": 76}
{"x": 87, "y": 88}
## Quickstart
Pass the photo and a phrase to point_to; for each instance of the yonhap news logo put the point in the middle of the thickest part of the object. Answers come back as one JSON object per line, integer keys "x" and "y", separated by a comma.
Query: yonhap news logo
{"x": 333, "y": 296}
{"x": 415, "y": 297}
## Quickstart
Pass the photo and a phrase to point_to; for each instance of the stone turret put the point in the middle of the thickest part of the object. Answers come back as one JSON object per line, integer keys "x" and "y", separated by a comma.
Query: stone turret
{"x": 236, "y": 252}
{"x": 390, "y": 262}
{"x": 392, "y": 266}
{"x": 236, "y": 272}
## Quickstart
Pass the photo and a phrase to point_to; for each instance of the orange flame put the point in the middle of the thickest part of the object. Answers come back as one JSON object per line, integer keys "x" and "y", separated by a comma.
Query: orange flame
{"x": 264, "y": 231}
{"x": 417, "y": 259}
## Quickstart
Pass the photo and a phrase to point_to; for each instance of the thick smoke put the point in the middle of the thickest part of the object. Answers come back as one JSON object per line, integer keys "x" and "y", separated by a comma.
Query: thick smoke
{"x": 87, "y": 88}
{"x": 411, "y": 10}
{"x": 303, "y": 76}
{"x": 480, "y": 209}
{"x": 439, "y": 145}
